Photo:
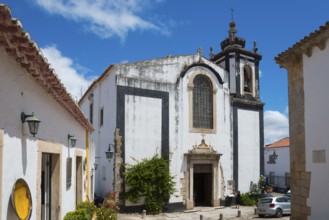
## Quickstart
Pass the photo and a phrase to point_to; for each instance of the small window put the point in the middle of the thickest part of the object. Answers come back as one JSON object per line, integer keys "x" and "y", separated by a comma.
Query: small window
{"x": 247, "y": 79}
{"x": 202, "y": 102}
{"x": 91, "y": 113}
{"x": 101, "y": 117}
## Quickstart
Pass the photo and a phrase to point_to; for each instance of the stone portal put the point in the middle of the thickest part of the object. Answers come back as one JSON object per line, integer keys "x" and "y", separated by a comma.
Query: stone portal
{"x": 202, "y": 176}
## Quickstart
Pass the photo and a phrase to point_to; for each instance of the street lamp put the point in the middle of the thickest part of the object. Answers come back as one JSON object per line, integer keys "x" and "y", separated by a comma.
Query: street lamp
{"x": 109, "y": 153}
{"x": 72, "y": 140}
{"x": 32, "y": 121}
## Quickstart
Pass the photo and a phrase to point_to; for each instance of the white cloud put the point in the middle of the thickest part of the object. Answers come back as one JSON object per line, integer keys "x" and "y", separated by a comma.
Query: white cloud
{"x": 76, "y": 84}
{"x": 276, "y": 126}
{"x": 106, "y": 18}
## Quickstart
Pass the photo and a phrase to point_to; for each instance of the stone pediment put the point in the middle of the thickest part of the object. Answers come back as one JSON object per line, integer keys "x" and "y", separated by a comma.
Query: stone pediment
{"x": 202, "y": 148}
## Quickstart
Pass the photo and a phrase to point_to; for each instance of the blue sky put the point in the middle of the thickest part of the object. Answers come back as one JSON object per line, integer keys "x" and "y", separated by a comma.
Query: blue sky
{"x": 81, "y": 38}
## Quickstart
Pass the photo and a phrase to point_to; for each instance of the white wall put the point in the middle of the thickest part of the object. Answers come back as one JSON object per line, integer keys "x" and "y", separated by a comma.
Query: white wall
{"x": 104, "y": 97}
{"x": 282, "y": 164}
{"x": 143, "y": 128}
{"x": 18, "y": 93}
{"x": 280, "y": 167}
{"x": 316, "y": 80}
{"x": 248, "y": 142}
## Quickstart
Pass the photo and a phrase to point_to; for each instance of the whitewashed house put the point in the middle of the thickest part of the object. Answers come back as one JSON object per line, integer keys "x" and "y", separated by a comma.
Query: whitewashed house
{"x": 42, "y": 175}
{"x": 277, "y": 164}
{"x": 206, "y": 113}
{"x": 307, "y": 64}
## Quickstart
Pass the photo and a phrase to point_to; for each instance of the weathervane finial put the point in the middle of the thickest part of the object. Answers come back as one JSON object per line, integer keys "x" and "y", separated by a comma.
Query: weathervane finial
{"x": 232, "y": 14}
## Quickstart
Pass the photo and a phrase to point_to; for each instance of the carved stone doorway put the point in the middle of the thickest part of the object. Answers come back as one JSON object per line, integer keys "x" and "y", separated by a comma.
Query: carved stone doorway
{"x": 203, "y": 174}
{"x": 202, "y": 184}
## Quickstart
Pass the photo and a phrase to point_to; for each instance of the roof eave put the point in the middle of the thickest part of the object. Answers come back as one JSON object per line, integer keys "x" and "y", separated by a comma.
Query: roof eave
{"x": 18, "y": 44}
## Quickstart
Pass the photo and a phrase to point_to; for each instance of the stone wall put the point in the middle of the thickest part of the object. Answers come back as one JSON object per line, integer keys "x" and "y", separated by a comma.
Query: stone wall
{"x": 300, "y": 178}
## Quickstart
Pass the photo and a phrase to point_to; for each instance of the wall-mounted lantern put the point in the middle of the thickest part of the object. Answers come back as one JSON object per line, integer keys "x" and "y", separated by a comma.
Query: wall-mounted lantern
{"x": 109, "y": 153}
{"x": 32, "y": 121}
{"x": 274, "y": 156}
{"x": 72, "y": 140}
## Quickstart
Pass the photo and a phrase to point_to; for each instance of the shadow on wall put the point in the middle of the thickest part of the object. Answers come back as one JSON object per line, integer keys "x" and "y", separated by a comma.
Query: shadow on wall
{"x": 24, "y": 154}
{"x": 11, "y": 215}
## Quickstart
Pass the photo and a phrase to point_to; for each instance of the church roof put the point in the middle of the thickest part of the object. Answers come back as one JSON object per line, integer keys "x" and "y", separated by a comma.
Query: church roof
{"x": 18, "y": 45}
{"x": 284, "y": 142}
{"x": 184, "y": 63}
{"x": 314, "y": 39}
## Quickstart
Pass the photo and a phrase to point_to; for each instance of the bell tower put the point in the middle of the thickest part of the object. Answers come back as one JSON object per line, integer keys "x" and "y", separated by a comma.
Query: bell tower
{"x": 242, "y": 65}
{"x": 242, "y": 68}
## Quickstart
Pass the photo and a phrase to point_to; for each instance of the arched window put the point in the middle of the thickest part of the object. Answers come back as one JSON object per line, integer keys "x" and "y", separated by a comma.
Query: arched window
{"x": 202, "y": 102}
{"x": 247, "y": 79}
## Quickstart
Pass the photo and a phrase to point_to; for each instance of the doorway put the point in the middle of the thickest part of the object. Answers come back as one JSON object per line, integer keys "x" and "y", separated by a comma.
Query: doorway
{"x": 50, "y": 186}
{"x": 46, "y": 186}
{"x": 78, "y": 180}
{"x": 202, "y": 184}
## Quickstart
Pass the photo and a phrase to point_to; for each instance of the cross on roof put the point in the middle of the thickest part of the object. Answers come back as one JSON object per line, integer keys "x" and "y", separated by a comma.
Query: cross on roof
{"x": 200, "y": 51}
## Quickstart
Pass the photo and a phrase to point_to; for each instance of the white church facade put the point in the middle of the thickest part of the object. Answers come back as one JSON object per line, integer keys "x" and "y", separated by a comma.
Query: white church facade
{"x": 205, "y": 115}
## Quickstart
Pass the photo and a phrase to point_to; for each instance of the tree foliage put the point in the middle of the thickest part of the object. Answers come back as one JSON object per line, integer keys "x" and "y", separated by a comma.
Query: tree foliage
{"x": 150, "y": 179}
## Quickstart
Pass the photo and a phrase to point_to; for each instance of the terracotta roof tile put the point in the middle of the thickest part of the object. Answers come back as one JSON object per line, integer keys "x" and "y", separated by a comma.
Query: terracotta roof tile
{"x": 285, "y": 142}
{"x": 18, "y": 44}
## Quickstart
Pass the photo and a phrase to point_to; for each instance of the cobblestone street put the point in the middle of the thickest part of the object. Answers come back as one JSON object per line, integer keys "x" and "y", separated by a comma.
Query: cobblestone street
{"x": 228, "y": 213}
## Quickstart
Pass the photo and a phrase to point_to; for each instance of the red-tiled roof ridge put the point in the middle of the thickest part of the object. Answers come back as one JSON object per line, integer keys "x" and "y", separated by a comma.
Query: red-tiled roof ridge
{"x": 18, "y": 44}
{"x": 284, "y": 142}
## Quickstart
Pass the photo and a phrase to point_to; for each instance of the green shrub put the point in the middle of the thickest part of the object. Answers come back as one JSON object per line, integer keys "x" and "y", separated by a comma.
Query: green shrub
{"x": 152, "y": 206}
{"x": 108, "y": 210}
{"x": 80, "y": 214}
{"x": 105, "y": 213}
{"x": 248, "y": 199}
{"x": 88, "y": 206}
{"x": 85, "y": 210}
{"x": 150, "y": 178}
